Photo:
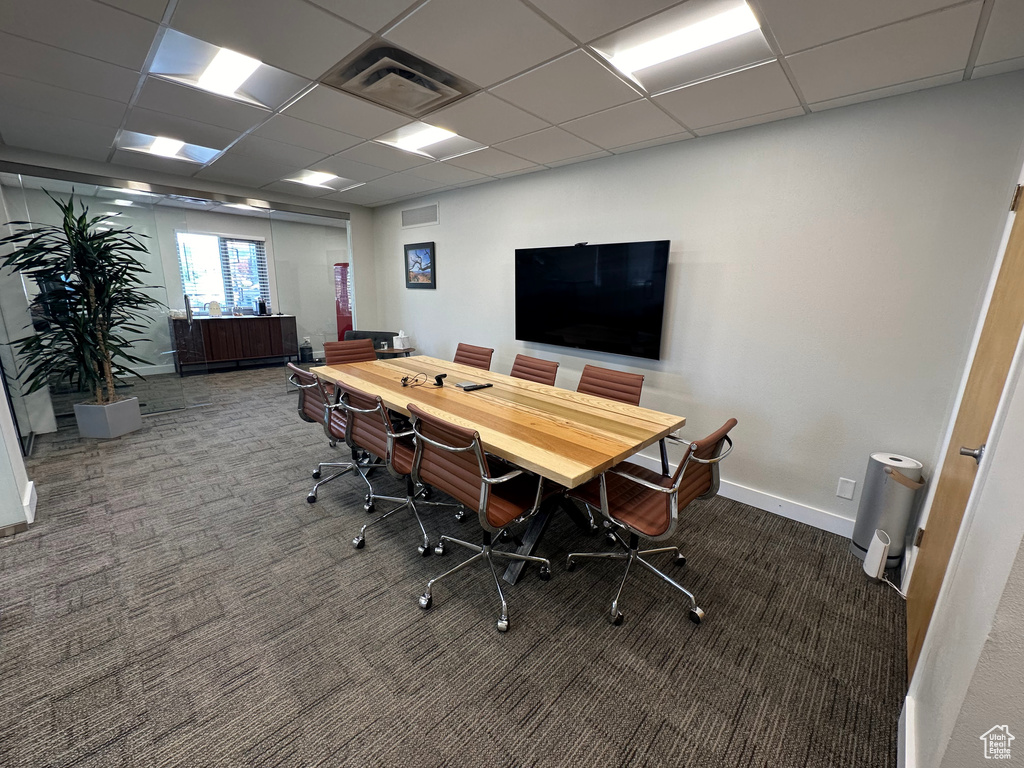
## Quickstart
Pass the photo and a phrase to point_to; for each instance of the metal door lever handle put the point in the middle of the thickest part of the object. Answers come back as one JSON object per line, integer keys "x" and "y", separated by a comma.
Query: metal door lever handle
{"x": 975, "y": 453}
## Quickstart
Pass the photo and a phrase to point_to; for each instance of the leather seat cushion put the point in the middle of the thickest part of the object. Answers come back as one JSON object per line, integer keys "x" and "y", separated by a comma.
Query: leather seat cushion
{"x": 640, "y": 509}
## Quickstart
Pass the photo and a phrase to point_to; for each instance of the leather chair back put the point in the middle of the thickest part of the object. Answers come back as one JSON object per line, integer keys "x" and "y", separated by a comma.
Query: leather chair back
{"x": 478, "y": 357}
{"x": 458, "y": 472}
{"x": 314, "y": 397}
{"x": 368, "y": 431}
{"x": 700, "y": 481}
{"x": 342, "y": 352}
{"x": 613, "y": 385}
{"x": 534, "y": 369}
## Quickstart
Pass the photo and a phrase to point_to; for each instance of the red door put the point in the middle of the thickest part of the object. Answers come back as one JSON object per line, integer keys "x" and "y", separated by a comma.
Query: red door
{"x": 343, "y": 299}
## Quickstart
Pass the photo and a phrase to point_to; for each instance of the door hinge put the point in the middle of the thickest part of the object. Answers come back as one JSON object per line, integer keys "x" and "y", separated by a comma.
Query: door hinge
{"x": 918, "y": 536}
{"x": 1015, "y": 200}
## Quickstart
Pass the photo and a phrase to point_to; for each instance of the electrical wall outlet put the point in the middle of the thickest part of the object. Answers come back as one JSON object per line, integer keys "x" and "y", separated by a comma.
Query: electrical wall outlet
{"x": 846, "y": 488}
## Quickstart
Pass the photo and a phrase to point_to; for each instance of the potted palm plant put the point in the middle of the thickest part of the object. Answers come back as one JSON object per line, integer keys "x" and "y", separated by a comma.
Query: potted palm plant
{"x": 91, "y": 298}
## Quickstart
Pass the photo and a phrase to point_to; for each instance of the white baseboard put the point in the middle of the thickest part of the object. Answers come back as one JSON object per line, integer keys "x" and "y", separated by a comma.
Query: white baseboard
{"x": 29, "y": 502}
{"x": 794, "y": 510}
{"x": 906, "y": 754}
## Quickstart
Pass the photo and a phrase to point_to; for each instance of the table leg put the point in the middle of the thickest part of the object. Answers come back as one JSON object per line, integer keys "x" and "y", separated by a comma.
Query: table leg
{"x": 535, "y": 530}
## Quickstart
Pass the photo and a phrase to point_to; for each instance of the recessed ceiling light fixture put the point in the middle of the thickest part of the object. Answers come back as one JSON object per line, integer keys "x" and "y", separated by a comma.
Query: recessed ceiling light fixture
{"x": 227, "y": 72}
{"x": 418, "y": 137}
{"x": 703, "y": 34}
{"x": 125, "y": 203}
{"x": 690, "y": 42}
{"x": 165, "y": 147}
{"x": 314, "y": 178}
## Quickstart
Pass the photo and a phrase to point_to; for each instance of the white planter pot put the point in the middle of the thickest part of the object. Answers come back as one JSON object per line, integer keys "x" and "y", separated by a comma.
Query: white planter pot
{"x": 111, "y": 420}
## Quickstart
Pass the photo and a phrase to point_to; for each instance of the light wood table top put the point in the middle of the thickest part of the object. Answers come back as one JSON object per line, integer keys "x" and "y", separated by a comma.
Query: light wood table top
{"x": 564, "y": 436}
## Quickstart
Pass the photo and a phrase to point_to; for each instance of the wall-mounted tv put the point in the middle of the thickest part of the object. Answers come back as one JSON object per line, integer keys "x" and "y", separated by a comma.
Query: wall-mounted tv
{"x": 608, "y": 298}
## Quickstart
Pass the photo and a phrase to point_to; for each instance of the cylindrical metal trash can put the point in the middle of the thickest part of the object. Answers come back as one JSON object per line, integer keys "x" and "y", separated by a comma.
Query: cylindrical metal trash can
{"x": 305, "y": 353}
{"x": 890, "y": 484}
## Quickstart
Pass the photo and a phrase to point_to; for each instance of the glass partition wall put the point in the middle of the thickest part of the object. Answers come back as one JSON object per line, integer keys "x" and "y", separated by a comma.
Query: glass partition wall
{"x": 215, "y": 268}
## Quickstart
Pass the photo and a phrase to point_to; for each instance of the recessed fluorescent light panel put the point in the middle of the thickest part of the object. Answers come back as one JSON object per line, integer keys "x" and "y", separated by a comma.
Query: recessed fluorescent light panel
{"x": 429, "y": 141}
{"x": 189, "y": 61}
{"x": 326, "y": 181}
{"x": 163, "y": 146}
{"x": 691, "y": 42}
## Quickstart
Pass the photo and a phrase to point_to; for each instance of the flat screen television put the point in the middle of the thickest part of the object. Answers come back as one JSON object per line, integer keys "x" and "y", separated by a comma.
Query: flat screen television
{"x": 608, "y": 298}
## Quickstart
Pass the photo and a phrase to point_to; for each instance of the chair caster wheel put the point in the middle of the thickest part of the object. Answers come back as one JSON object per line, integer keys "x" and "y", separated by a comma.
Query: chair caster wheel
{"x": 425, "y": 601}
{"x": 570, "y": 565}
{"x": 460, "y": 515}
{"x": 503, "y": 625}
{"x": 369, "y": 506}
{"x": 545, "y": 573}
{"x": 680, "y": 560}
{"x": 696, "y": 615}
{"x": 424, "y": 549}
{"x": 311, "y": 498}
{"x": 611, "y": 538}
{"x": 316, "y": 474}
{"x": 616, "y": 619}
{"x": 358, "y": 542}
{"x": 427, "y": 493}
{"x": 334, "y": 443}
{"x": 439, "y": 549}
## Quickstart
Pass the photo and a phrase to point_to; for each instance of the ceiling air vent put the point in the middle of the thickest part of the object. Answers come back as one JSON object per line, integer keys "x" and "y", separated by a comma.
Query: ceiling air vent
{"x": 398, "y": 80}
{"x": 420, "y": 217}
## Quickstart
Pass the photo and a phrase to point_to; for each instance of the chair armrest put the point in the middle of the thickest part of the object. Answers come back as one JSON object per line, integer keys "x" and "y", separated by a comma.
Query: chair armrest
{"x": 641, "y": 481}
{"x": 717, "y": 458}
{"x": 294, "y": 381}
{"x": 504, "y": 478}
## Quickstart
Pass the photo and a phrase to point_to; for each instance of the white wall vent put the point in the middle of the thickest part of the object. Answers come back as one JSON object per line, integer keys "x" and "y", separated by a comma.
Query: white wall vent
{"x": 420, "y": 217}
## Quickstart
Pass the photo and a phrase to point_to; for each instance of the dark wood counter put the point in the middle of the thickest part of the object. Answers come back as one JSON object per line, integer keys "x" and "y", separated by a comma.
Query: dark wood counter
{"x": 217, "y": 341}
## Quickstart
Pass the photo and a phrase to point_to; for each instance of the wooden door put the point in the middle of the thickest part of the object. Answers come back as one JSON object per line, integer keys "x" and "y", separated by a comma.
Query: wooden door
{"x": 985, "y": 383}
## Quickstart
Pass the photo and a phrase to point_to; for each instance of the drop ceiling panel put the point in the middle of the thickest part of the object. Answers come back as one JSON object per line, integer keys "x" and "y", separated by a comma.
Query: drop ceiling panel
{"x": 62, "y": 136}
{"x": 797, "y": 25}
{"x": 892, "y": 90}
{"x": 572, "y": 86}
{"x": 589, "y": 19}
{"x": 383, "y": 157}
{"x": 16, "y": 92}
{"x": 402, "y": 184}
{"x": 247, "y": 170}
{"x": 174, "y": 127}
{"x": 1004, "y": 38}
{"x": 268, "y": 149}
{"x": 291, "y": 130}
{"x": 358, "y": 196}
{"x": 910, "y": 50}
{"x": 334, "y": 109}
{"x": 350, "y": 169}
{"x": 651, "y": 143}
{"x": 45, "y": 64}
{"x": 1009, "y": 65}
{"x": 301, "y": 190}
{"x": 629, "y": 124}
{"x": 580, "y": 159}
{"x": 151, "y": 9}
{"x": 483, "y": 41}
{"x": 84, "y": 27}
{"x": 486, "y": 119}
{"x": 164, "y": 96}
{"x": 289, "y": 34}
{"x": 491, "y": 162}
{"x": 445, "y": 173}
{"x": 548, "y": 146}
{"x": 369, "y": 15}
{"x": 782, "y": 114}
{"x": 754, "y": 91}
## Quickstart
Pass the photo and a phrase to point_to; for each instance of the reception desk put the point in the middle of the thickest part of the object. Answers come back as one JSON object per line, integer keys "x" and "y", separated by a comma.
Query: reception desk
{"x": 217, "y": 342}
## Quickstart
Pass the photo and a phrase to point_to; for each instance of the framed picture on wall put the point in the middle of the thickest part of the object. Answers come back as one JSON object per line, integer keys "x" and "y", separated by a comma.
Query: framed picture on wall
{"x": 420, "y": 267}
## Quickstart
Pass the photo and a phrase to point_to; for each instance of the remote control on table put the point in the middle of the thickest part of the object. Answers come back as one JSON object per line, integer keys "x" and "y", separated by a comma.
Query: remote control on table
{"x": 476, "y": 386}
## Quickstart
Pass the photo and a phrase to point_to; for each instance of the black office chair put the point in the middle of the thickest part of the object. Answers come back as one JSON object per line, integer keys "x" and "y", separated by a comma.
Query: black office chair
{"x": 451, "y": 459}
{"x": 315, "y": 398}
{"x": 645, "y": 503}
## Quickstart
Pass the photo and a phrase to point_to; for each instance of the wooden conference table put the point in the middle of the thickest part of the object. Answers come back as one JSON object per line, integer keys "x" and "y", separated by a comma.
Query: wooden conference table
{"x": 564, "y": 436}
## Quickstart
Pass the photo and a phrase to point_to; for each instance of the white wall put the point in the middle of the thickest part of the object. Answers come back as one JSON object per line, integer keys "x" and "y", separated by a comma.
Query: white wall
{"x": 825, "y": 274}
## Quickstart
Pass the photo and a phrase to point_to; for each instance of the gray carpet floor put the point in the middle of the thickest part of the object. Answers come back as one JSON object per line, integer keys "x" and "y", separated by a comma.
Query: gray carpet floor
{"x": 178, "y": 603}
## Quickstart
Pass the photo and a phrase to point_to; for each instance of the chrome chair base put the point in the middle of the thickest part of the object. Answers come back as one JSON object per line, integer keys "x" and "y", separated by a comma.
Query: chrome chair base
{"x": 633, "y": 554}
{"x": 346, "y": 466}
{"x": 487, "y": 553}
{"x": 407, "y": 502}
